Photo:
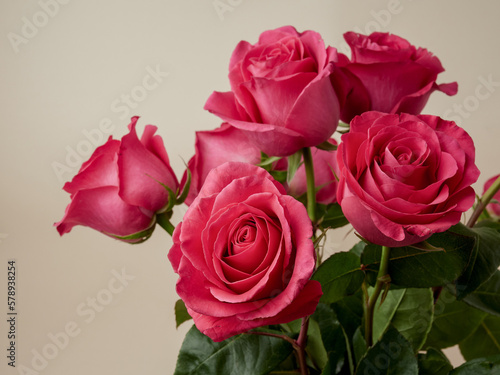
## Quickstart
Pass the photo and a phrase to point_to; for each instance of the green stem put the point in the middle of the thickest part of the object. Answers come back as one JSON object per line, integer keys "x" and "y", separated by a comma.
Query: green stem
{"x": 483, "y": 202}
{"x": 382, "y": 279}
{"x": 163, "y": 220}
{"x": 311, "y": 188}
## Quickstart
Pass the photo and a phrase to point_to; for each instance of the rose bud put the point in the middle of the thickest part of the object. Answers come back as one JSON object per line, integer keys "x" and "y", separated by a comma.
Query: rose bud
{"x": 119, "y": 190}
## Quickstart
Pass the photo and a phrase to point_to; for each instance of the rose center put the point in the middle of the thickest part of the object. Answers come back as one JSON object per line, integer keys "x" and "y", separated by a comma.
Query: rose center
{"x": 242, "y": 238}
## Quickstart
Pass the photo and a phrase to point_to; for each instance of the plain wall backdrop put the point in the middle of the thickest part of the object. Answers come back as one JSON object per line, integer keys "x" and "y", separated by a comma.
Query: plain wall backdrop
{"x": 66, "y": 69}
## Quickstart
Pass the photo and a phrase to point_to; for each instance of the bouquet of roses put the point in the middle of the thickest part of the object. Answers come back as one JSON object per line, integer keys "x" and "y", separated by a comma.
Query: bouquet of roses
{"x": 268, "y": 186}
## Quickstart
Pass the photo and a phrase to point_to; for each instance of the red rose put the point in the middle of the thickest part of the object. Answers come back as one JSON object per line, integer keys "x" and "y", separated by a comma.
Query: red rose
{"x": 282, "y": 96}
{"x": 404, "y": 177}
{"x": 244, "y": 254}
{"x": 119, "y": 189}
{"x": 387, "y": 74}
{"x": 325, "y": 180}
{"x": 494, "y": 205}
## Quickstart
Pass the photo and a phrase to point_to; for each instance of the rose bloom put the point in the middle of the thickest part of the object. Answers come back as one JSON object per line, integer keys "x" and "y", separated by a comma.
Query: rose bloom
{"x": 325, "y": 172}
{"x": 119, "y": 189}
{"x": 387, "y": 74}
{"x": 404, "y": 177}
{"x": 244, "y": 254}
{"x": 216, "y": 147}
{"x": 494, "y": 205}
{"x": 282, "y": 96}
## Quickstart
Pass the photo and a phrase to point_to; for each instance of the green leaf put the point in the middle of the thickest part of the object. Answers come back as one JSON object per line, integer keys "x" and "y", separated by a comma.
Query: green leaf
{"x": 434, "y": 362}
{"x": 246, "y": 354}
{"x": 185, "y": 191}
{"x": 331, "y": 334}
{"x": 340, "y": 275}
{"x": 479, "y": 366}
{"x": 171, "y": 198}
{"x": 413, "y": 268}
{"x": 349, "y": 311}
{"x": 279, "y": 176}
{"x": 359, "y": 345}
{"x": 485, "y": 341}
{"x": 181, "y": 313}
{"x": 138, "y": 237}
{"x": 392, "y": 355}
{"x": 453, "y": 322}
{"x": 410, "y": 311}
{"x": 327, "y": 146}
{"x": 294, "y": 162}
{"x": 315, "y": 349}
{"x": 384, "y": 312}
{"x": 358, "y": 249}
{"x": 484, "y": 259}
{"x": 487, "y": 296}
{"x": 331, "y": 216}
{"x": 266, "y": 161}
{"x": 317, "y": 355}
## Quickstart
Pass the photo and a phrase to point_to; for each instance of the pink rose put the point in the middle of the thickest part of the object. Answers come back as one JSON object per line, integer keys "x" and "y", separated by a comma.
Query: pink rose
{"x": 325, "y": 180}
{"x": 119, "y": 189}
{"x": 282, "y": 96}
{"x": 244, "y": 254}
{"x": 494, "y": 205}
{"x": 387, "y": 74}
{"x": 404, "y": 177}
{"x": 216, "y": 147}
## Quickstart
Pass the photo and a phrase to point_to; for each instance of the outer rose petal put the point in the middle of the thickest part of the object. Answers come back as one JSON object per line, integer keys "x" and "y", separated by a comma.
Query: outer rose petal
{"x": 141, "y": 173}
{"x": 103, "y": 210}
{"x": 101, "y": 170}
{"x": 216, "y": 147}
{"x": 219, "y": 329}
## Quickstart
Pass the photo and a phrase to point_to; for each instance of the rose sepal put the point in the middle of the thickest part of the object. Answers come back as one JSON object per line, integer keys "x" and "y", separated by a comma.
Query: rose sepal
{"x": 140, "y": 236}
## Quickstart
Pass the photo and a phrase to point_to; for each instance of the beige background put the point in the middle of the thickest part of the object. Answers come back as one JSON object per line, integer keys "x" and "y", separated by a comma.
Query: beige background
{"x": 64, "y": 68}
